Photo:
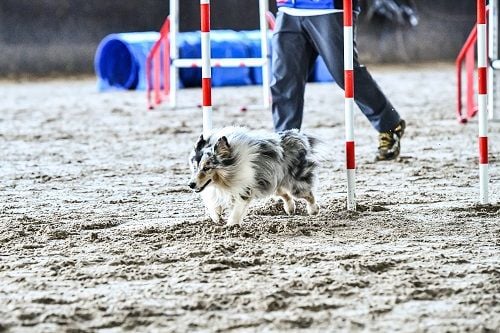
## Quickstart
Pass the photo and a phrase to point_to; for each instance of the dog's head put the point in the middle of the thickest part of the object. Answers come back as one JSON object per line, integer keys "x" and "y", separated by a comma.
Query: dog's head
{"x": 207, "y": 162}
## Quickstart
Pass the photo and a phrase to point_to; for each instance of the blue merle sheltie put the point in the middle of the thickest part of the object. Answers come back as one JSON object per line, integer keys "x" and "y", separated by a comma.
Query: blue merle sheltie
{"x": 233, "y": 166}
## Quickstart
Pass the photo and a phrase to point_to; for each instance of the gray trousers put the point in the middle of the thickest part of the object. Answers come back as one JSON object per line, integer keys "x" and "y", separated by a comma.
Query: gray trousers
{"x": 297, "y": 42}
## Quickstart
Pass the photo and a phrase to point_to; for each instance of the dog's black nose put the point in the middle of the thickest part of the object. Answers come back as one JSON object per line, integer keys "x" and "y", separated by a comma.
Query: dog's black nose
{"x": 192, "y": 185}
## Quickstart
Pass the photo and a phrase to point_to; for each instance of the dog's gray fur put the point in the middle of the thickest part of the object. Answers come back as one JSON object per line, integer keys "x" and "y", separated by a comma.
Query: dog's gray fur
{"x": 234, "y": 166}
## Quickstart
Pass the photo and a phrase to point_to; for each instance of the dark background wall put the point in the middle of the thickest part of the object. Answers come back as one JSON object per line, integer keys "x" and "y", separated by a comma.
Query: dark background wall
{"x": 51, "y": 37}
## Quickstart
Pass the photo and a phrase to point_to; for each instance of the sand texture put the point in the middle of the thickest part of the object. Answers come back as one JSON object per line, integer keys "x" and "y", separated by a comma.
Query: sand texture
{"x": 100, "y": 233}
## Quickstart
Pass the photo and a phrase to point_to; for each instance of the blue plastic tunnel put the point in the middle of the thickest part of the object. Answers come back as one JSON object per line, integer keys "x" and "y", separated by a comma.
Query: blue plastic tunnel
{"x": 120, "y": 60}
{"x": 224, "y": 44}
{"x": 252, "y": 38}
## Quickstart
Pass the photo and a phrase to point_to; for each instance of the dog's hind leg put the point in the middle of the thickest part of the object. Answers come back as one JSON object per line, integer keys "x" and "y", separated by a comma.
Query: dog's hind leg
{"x": 240, "y": 206}
{"x": 288, "y": 203}
{"x": 312, "y": 206}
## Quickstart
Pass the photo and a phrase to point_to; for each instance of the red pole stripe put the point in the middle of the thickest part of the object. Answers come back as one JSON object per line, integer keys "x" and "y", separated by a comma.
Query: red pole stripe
{"x": 207, "y": 91}
{"x": 347, "y": 13}
{"x": 482, "y": 76}
{"x": 205, "y": 17}
{"x": 349, "y": 83}
{"x": 350, "y": 155}
{"x": 483, "y": 150}
{"x": 481, "y": 11}
{"x": 157, "y": 77}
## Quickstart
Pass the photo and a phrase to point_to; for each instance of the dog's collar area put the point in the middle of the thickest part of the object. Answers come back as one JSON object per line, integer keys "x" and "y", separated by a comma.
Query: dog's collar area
{"x": 203, "y": 187}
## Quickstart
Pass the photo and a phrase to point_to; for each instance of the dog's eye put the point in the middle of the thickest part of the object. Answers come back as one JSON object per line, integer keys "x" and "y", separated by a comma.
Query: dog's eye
{"x": 205, "y": 169}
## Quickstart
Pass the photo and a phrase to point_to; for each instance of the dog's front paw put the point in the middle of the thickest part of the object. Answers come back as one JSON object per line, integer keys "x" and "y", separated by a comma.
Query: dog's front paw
{"x": 215, "y": 214}
{"x": 216, "y": 218}
{"x": 313, "y": 209}
{"x": 233, "y": 221}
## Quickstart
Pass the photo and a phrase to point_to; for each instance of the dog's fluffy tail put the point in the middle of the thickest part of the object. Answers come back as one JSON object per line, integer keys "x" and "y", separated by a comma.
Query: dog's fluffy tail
{"x": 319, "y": 148}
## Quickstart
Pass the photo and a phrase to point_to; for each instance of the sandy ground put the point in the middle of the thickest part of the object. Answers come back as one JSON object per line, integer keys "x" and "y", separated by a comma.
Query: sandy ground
{"x": 99, "y": 232}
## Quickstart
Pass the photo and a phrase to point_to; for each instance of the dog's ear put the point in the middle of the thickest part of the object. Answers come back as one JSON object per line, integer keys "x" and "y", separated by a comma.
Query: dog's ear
{"x": 222, "y": 147}
{"x": 200, "y": 143}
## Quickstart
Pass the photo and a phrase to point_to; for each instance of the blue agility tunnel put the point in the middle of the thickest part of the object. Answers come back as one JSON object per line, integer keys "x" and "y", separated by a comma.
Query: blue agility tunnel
{"x": 120, "y": 60}
{"x": 321, "y": 72}
{"x": 224, "y": 44}
{"x": 252, "y": 39}
{"x": 189, "y": 47}
{"x": 229, "y": 44}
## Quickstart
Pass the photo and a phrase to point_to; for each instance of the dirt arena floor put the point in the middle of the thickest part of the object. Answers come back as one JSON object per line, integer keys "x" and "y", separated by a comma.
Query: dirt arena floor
{"x": 100, "y": 233}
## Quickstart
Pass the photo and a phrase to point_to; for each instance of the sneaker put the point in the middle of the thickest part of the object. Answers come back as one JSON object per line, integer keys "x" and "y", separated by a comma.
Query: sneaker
{"x": 389, "y": 143}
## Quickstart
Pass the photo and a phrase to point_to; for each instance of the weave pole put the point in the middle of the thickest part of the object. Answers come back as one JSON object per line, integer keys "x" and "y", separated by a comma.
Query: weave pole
{"x": 206, "y": 69}
{"x": 349, "y": 106}
{"x": 264, "y": 47}
{"x": 174, "y": 52}
{"x": 482, "y": 101}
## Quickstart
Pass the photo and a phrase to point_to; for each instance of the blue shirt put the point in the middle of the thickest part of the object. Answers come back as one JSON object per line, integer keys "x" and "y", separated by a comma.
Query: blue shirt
{"x": 316, "y": 4}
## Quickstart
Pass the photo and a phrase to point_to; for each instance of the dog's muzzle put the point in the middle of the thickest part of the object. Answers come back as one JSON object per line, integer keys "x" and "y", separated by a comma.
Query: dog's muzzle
{"x": 202, "y": 188}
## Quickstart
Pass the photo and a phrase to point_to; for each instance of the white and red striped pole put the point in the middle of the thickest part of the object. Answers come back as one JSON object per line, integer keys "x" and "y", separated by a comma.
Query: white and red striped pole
{"x": 206, "y": 69}
{"x": 264, "y": 47}
{"x": 482, "y": 63}
{"x": 349, "y": 105}
{"x": 174, "y": 52}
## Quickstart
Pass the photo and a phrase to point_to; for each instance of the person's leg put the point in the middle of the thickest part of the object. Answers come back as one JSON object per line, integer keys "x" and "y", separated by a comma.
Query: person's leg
{"x": 293, "y": 57}
{"x": 326, "y": 32}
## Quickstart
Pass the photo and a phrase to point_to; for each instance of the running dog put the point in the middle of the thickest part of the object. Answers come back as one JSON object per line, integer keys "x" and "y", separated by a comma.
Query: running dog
{"x": 233, "y": 166}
